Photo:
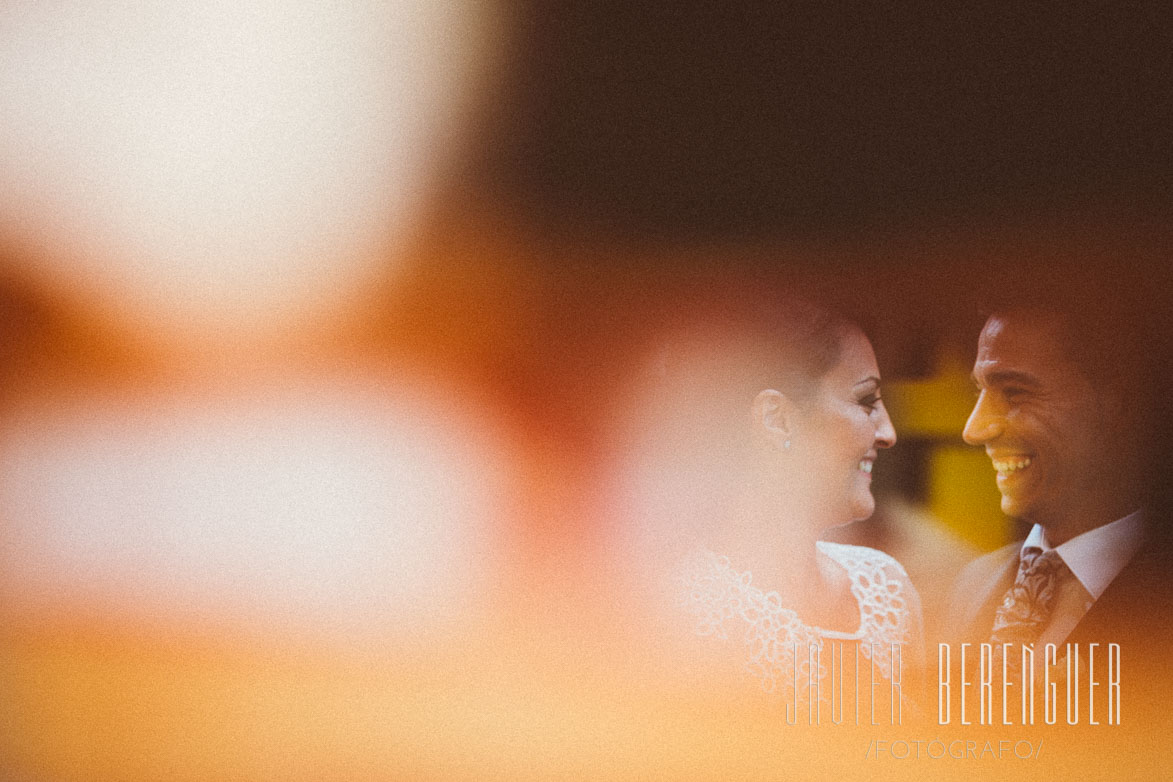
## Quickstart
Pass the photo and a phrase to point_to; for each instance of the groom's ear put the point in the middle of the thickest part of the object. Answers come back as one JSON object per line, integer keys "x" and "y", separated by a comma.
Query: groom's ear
{"x": 772, "y": 418}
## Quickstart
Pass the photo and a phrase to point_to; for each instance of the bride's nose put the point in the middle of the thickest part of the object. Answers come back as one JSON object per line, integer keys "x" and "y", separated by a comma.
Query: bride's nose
{"x": 885, "y": 432}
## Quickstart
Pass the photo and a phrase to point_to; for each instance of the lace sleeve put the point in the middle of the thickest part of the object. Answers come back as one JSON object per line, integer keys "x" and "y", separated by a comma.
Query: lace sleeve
{"x": 889, "y": 604}
{"x": 915, "y": 645}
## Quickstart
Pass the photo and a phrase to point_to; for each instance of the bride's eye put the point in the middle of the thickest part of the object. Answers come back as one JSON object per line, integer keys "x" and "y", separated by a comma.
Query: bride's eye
{"x": 870, "y": 401}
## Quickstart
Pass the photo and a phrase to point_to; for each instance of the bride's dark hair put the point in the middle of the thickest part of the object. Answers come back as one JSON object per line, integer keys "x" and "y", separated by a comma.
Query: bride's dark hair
{"x": 808, "y": 339}
{"x": 710, "y": 354}
{"x": 784, "y": 340}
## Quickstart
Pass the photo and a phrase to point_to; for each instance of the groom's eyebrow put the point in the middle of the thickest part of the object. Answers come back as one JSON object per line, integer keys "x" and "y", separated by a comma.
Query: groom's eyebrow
{"x": 1007, "y": 377}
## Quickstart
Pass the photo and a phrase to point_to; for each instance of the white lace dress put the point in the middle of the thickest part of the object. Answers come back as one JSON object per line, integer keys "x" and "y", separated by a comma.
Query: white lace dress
{"x": 726, "y": 605}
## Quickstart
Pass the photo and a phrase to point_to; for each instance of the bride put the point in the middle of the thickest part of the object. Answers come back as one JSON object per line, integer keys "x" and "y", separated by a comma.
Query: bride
{"x": 763, "y": 426}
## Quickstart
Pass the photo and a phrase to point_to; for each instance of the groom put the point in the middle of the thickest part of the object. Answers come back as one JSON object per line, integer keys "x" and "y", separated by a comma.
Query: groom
{"x": 1061, "y": 416}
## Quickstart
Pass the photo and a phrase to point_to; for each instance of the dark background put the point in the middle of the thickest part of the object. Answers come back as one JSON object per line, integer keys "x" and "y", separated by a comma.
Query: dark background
{"x": 723, "y": 120}
{"x": 946, "y": 153}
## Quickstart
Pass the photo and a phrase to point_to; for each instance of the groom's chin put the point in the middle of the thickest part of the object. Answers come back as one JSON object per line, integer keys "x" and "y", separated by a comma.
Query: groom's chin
{"x": 1013, "y": 506}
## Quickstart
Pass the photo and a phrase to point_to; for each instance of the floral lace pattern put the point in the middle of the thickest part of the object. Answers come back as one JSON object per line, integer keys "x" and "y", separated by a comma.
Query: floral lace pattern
{"x": 724, "y": 601}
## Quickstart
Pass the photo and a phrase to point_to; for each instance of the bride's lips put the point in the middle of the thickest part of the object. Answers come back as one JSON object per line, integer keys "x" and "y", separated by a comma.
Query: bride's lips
{"x": 867, "y": 463}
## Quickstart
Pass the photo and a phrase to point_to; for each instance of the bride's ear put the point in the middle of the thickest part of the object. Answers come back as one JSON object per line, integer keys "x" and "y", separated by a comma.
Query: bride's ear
{"x": 772, "y": 418}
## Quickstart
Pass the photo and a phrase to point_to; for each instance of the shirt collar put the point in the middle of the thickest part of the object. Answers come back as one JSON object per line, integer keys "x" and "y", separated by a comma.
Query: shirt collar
{"x": 1097, "y": 556}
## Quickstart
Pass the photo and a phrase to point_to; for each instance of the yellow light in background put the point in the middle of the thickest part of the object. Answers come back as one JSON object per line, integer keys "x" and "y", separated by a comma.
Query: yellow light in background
{"x": 224, "y": 166}
{"x": 937, "y": 406}
{"x": 962, "y": 493}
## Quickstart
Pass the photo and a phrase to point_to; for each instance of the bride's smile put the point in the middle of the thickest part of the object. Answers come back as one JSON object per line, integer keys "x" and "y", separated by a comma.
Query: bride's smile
{"x": 764, "y": 427}
{"x": 846, "y": 424}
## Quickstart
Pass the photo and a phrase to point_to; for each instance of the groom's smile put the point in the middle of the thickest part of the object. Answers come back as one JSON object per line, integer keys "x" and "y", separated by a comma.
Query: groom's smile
{"x": 1010, "y": 468}
{"x": 1008, "y": 465}
{"x": 1044, "y": 424}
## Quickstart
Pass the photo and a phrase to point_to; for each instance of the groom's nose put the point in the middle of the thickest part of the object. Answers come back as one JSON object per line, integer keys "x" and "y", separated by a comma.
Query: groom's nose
{"x": 985, "y": 422}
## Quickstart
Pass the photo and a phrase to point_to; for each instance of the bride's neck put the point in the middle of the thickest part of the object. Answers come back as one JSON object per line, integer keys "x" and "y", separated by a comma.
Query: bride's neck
{"x": 779, "y": 552}
{"x": 772, "y": 534}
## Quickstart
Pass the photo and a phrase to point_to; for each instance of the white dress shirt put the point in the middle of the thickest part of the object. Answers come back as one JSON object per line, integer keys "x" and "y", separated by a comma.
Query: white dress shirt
{"x": 1096, "y": 557}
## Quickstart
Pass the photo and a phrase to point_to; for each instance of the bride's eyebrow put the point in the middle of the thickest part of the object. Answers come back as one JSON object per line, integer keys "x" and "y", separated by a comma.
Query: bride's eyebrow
{"x": 871, "y": 379}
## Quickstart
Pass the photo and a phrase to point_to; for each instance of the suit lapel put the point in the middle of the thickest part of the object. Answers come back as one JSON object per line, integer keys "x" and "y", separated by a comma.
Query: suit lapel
{"x": 993, "y": 586}
{"x": 1130, "y": 606}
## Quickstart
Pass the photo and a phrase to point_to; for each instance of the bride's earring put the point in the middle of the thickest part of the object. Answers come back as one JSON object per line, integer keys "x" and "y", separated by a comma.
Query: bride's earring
{"x": 786, "y": 445}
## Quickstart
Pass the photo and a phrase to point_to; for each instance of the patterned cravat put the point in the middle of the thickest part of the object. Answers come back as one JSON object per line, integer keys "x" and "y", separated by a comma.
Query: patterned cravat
{"x": 1026, "y": 608}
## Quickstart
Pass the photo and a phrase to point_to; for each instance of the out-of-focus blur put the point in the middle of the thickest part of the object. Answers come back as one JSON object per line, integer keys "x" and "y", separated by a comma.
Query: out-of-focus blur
{"x": 229, "y": 168}
{"x": 328, "y": 443}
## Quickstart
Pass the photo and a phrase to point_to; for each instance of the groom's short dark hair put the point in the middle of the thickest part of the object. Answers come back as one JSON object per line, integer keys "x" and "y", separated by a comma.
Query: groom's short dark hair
{"x": 1107, "y": 331}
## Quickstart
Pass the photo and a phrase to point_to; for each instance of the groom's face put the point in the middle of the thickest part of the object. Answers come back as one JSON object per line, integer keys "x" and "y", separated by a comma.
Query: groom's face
{"x": 1043, "y": 423}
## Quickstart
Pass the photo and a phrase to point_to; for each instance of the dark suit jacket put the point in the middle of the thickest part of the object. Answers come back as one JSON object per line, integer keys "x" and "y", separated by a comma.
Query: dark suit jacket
{"x": 1136, "y": 598}
{"x": 1135, "y": 611}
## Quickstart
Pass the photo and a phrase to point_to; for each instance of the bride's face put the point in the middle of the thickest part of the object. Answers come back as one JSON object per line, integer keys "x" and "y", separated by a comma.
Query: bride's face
{"x": 843, "y": 425}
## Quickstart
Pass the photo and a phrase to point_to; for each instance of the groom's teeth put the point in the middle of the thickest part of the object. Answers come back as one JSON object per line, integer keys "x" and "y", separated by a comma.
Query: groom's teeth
{"x": 1011, "y": 465}
{"x": 866, "y": 466}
